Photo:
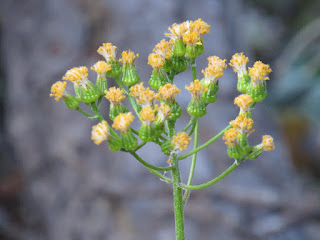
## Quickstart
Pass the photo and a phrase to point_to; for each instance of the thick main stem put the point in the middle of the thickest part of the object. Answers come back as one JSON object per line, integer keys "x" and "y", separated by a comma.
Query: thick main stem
{"x": 177, "y": 198}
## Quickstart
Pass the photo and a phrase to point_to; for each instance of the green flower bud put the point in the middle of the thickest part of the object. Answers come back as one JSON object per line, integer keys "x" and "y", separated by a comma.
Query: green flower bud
{"x": 116, "y": 109}
{"x": 167, "y": 66}
{"x": 147, "y": 132}
{"x": 255, "y": 152}
{"x": 200, "y": 48}
{"x": 243, "y": 82}
{"x": 191, "y": 51}
{"x": 89, "y": 92}
{"x": 115, "y": 143}
{"x": 179, "y": 48}
{"x": 71, "y": 101}
{"x": 258, "y": 92}
{"x": 179, "y": 64}
{"x": 210, "y": 96}
{"x": 157, "y": 79}
{"x": 130, "y": 75}
{"x": 77, "y": 91}
{"x": 236, "y": 151}
{"x": 101, "y": 85}
{"x": 129, "y": 141}
{"x": 167, "y": 147}
{"x": 115, "y": 69}
{"x": 175, "y": 109}
{"x": 197, "y": 107}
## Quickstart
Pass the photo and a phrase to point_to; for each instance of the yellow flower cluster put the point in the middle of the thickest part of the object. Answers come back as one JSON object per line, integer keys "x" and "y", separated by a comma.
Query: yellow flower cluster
{"x": 192, "y": 38}
{"x": 196, "y": 89}
{"x": 215, "y": 68}
{"x": 136, "y": 90}
{"x": 147, "y": 97}
{"x": 258, "y": 73}
{"x": 128, "y": 57}
{"x": 231, "y": 136}
{"x": 77, "y": 75}
{"x": 267, "y": 143}
{"x": 108, "y": 51}
{"x": 114, "y": 95}
{"x": 122, "y": 121}
{"x": 168, "y": 91}
{"x": 58, "y": 90}
{"x": 148, "y": 114}
{"x": 164, "y": 48}
{"x": 165, "y": 111}
{"x": 155, "y": 60}
{"x": 100, "y": 132}
{"x": 243, "y": 101}
{"x": 243, "y": 124}
{"x": 239, "y": 63}
{"x": 181, "y": 141}
{"x": 101, "y": 68}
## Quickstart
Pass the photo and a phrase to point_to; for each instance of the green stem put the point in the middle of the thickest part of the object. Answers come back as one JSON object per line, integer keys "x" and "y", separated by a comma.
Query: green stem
{"x": 193, "y": 67}
{"x": 187, "y": 126}
{"x": 171, "y": 126}
{"x": 205, "y": 144}
{"x": 193, "y": 126}
{"x": 99, "y": 102}
{"x": 177, "y": 198}
{"x": 135, "y": 131}
{"x": 194, "y": 160}
{"x": 140, "y": 146}
{"x": 217, "y": 179}
{"x": 83, "y": 112}
{"x": 150, "y": 166}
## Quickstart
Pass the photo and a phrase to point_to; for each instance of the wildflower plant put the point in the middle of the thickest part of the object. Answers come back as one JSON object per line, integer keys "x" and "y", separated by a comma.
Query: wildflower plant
{"x": 158, "y": 110}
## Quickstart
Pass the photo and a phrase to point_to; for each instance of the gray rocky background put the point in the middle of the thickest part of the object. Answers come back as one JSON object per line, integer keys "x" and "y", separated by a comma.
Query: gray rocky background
{"x": 57, "y": 185}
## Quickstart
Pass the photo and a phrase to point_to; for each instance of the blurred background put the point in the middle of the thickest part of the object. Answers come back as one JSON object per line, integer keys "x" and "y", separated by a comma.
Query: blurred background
{"x": 55, "y": 184}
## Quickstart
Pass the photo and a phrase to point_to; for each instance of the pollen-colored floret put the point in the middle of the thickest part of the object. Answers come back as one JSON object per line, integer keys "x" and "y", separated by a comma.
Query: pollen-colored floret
{"x": 58, "y": 90}
{"x": 267, "y": 143}
{"x": 215, "y": 68}
{"x": 101, "y": 68}
{"x": 100, "y": 132}
{"x": 239, "y": 63}
{"x": 108, "y": 51}
{"x": 192, "y": 38}
{"x": 243, "y": 101}
{"x": 164, "y": 48}
{"x": 77, "y": 75}
{"x": 165, "y": 111}
{"x": 128, "y": 57}
{"x": 243, "y": 124}
{"x": 147, "y": 114}
{"x": 114, "y": 95}
{"x": 231, "y": 136}
{"x": 146, "y": 98}
{"x": 196, "y": 89}
{"x": 137, "y": 89}
{"x": 181, "y": 141}
{"x": 259, "y": 72}
{"x": 200, "y": 26}
{"x": 177, "y": 30}
{"x": 155, "y": 60}
{"x": 168, "y": 91}
{"x": 122, "y": 121}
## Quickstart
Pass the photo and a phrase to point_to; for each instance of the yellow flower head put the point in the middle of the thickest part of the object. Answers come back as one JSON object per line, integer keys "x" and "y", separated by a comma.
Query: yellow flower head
{"x": 259, "y": 72}
{"x": 128, "y": 57}
{"x": 267, "y": 143}
{"x": 243, "y": 101}
{"x": 147, "y": 114}
{"x": 165, "y": 111}
{"x": 243, "y": 124}
{"x": 177, "y": 30}
{"x": 239, "y": 63}
{"x": 146, "y": 98}
{"x": 114, "y": 95}
{"x": 167, "y": 92}
{"x": 181, "y": 141}
{"x": 215, "y": 69}
{"x": 108, "y": 51}
{"x": 136, "y": 90}
{"x": 122, "y": 121}
{"x": 58, "y": 90}
{"x": 155, "y": 60}
{"x": 164, "y": 48}
{"x": 77, "y": 75}
{"x": 200, "y": 26}
{"x": 191, "y": 38}
{"x": 196, "y": 89}
{"x": 101, "y": 68}
{"x": 231, "y": 136}
{"x": 100, "y": 132}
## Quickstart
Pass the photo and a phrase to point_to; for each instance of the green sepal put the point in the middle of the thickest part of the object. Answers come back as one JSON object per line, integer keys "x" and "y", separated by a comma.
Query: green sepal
{"x": 179, "y": 64}
{"x": 258, "y": 92}
{"x": 115, "y": 143}
{"x": 246, "y": 114}
{"x": 89, "y": 93}
{"x": 179, "y": 48}
{"x": 115, "y": 69}
{"x": 255, "y": 152}
{"x": 243, "y": 83}
{"x": 197, "y": 107}
{"x": 210, "y": 96}
{"x": 167, "y": 147}
{"x": 200, "y": 48}
{"x": 167, "y": 66}
{"x": 146, "y": 132}
{"x": 130, "y": 75}
{"x": 236, "y": 151}
{"x": 243, "y": 142}
{"x": 157, "y": 79}
{"x": 116, "y": 109}
{"x": 102, "y": 85}
{"x": 191, "y": 51}
{"x": 175, "y": 109}
{"x": 129, "y": 141}
{"x": 71, "y": 101}
{"x": 77, "y": 91}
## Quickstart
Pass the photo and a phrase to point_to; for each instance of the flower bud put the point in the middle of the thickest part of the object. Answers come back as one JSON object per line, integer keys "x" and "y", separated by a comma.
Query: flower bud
{"x": 130, "y": 75}
{"x": 115, "y": 69}
{"x": 115, "y": 143}
{"x": 179, "y": 48}
{"x": 179, "y": 64}
{"x": 258, "y": 92}
{"x": 197, "y": 107}
{"x": 157, "y": 79}
{"x": 146, "y": 132}
{"x": 129, "y": 141}
{"x": 116, "y": 109}
{"x": 71, "y": 101}
{"x": 210, "y": 96}
{"x": 89, "y": 93}
{"x": 167, "y": 147}
{"x": 101, "y": 85}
